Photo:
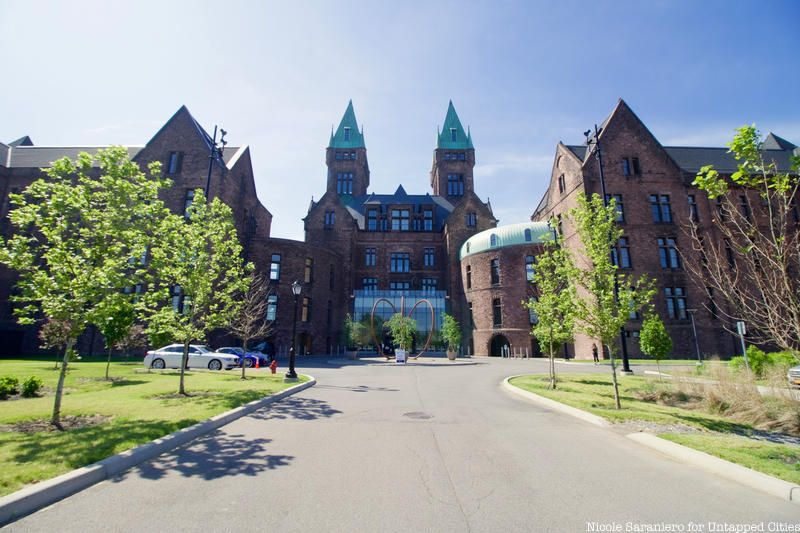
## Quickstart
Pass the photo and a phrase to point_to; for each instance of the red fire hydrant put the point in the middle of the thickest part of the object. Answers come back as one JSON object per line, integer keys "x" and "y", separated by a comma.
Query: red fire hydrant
{"x": 273, "y": 365}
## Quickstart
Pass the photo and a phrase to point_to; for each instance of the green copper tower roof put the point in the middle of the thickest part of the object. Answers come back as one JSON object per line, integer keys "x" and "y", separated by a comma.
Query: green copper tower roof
{"x": 347, "y": 134}
{"x": 504, "y": 236}
{"x": 453, "y": 135}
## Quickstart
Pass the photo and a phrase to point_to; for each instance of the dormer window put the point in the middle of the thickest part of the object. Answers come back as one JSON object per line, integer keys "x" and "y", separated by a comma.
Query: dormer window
{"x": 346, "y": 134}
{"x": 453, "y": 134}
{"x": 493, "y": 240}
{"x": 528, "y": 236}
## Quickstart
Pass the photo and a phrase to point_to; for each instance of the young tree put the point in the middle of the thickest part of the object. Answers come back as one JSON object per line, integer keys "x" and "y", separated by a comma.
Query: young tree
{"x": 114, "y": 318}
{"x": 198, "y": 274}
{"x": 75, "y": 234}
{"x": 402, "y": 329}
{"x": 250, "y": 315}
{"x": 654, "y": 340}
{"x": 754, "y": 267}
{"x": 451, "y": 332}
{"x": 553, "y": 302}
{"x": 606, "y": 298}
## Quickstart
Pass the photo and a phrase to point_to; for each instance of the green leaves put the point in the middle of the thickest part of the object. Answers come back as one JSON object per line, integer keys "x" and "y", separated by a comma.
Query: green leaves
{"x": 654, "y": 339}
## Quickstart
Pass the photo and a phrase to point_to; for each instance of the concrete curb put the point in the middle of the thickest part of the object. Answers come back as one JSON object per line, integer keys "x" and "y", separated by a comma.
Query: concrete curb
{"x": 741, "y": 474}
{"x": 374, "y": 361}
{"x": 30, "y": 499}
{"x": 554, "y": 405}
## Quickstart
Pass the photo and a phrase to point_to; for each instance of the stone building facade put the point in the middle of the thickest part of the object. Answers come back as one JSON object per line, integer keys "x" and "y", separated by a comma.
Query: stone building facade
{"x": 497, "y": 270}
{"x": 653, "y": 187}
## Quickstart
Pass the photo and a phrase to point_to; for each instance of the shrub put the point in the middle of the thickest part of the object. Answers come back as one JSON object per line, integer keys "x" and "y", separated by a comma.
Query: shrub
{"x": 761, "y": 362}
{"x": 8, "y": 386}
{"x": 31, "y": 387}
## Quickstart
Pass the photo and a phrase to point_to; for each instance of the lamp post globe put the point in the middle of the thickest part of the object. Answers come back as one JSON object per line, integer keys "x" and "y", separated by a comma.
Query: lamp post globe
{"x": 291, "y": 375}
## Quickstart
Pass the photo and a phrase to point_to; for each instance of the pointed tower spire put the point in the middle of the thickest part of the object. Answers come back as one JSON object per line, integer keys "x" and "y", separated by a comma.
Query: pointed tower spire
{"x": 453, "y": 135}
{"x": 347, "y": 134}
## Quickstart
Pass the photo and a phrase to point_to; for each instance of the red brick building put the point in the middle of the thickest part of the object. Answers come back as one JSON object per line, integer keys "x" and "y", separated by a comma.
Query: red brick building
{"x": 653, "y": 187}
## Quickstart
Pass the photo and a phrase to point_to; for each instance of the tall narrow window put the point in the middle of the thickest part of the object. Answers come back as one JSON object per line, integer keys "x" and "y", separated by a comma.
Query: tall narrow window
{"x": 344, "y": 182}
{"x": 455, "y": 185}
{"x": 729, "y": 253}
{"x": 493, "y": 240}
{"x": 660, "y": 209}
{"x": 469, "y": 276}
{"x": 621, "y": 253}
{"x": 330, "y": 219}
{"x": 400, "y": 219}
{"x": 744, "y": 207}
{"x": 636, "y": 168}
{"x": 472, "y": 220}
{"x": 187, "y": 203}
{"x": 370, "y": 257}
{"x": 272, "y": 307}
{"x": 497, "y": 313}
{"x": 372, "y": 220}
{"x": 530, "y": 268}
{"x": 495, "y": 271}
{"x": 668, "y": 253}
{"x": 175, "y": 162}
{"x": 400, "y": 285}
{"x": 676, "y": 302}
{"x": 626, "y": 166}
{"x": 528, "y": 236}
{"x": 562, "y": 185}
{"x": 453, "y": 134}
{"x": 309, "y": 270}
{"x": 429, "y": 284}
{"x": 346, "y": 133}
{"x": 429, "y": 257}
{"x": 369, "y": 284}
{"x": 305, "y": 314}
{"x": 617, "y": 205}
{"x": 694, "y": 214}
{"x": 275, "y": 267}
{"x": 427, "y": 215}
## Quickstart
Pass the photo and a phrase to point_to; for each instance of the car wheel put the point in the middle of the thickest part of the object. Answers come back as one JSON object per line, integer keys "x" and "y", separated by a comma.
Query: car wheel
{"x": 158, "y": 364}
{"x": 248, "y": 362}
{"x": 215, "y": 364}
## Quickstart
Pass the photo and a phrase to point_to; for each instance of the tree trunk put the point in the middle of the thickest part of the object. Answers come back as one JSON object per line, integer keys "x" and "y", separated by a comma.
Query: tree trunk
{"x": 184, "y": 363}
{"x": 244, "y": 358}
{"x": 658, "y": 366}
{"x": 56, "y": 419}
{"x": 552, "y": 366}
{"x": 108, "y": 363}
{"x": 55, "y": 367}
{"x": 614, "y": 377}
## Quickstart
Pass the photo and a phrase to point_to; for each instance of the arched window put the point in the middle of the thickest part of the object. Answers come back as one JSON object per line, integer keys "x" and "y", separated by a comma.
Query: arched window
{"x": 493, "y": 240}
{"x": 528, "y": 235}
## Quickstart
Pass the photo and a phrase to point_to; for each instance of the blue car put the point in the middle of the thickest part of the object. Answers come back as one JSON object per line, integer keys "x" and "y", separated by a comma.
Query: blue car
{"x": 248, "y": 359}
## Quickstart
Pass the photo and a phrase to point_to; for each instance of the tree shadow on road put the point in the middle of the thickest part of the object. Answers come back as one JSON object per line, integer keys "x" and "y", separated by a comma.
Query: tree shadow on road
{"x": 356, "y": 388}
{"x": 297, "y": 408}
{"x": 214, "y": 456}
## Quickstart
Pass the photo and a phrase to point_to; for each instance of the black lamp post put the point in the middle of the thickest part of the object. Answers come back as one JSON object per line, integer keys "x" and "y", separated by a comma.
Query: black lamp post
{"x": 291, "y": 375}
{"x": 694, "y": 334}
{"x": 626, "y": 366}
{"x": 218, "y": 147}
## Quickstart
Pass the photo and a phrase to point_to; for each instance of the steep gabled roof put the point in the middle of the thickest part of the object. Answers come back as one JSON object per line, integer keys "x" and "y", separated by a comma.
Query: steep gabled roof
{"x": 22, "y": 141}
{"x": 453, "y": 135}
{"x": 347, "y": 134}
{"x": 773, "y": 142}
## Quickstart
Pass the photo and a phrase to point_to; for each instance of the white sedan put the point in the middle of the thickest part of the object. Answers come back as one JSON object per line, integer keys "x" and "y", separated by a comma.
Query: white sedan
{"x": 199, "y": 357}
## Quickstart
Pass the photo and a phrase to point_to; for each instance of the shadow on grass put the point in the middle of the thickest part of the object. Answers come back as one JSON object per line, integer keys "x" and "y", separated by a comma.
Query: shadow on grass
{"x": 297, "y": 408}
{"x": 81, "y": 447}
{"x": 721, "y": 426}
{"x": 213, "y": 456}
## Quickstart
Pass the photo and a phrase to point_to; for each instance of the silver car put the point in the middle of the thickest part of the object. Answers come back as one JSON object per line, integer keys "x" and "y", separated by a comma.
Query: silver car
{"x": 200, "y": 356}
{"x": 794, "y": 376}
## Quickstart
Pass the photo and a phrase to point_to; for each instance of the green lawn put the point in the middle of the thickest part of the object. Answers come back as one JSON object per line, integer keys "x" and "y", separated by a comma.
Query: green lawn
{"x": 142, "y": 407}
{"x": 720, "y": 436}
{"x": 665, "y": 362}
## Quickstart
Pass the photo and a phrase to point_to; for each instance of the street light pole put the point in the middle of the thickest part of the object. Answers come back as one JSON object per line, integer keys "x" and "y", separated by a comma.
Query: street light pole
{"x": 626, "y": 366}
{"x": 694, "y": 334}
{"x": 291, "y": 375}
{"x": 218, "y": 147}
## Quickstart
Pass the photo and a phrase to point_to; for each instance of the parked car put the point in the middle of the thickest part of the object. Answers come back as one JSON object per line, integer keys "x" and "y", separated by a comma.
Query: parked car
{"x": 794, "y": 376}
{"x": 249, "y": 359}
{"x": 200, "y": 356}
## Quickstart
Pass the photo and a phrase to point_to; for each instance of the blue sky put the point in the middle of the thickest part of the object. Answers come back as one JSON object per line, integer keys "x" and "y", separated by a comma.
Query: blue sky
{"x": 277, "y": 75}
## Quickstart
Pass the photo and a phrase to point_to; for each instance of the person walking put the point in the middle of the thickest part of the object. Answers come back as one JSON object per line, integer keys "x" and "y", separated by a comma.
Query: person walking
{"x": 594, "y": 354}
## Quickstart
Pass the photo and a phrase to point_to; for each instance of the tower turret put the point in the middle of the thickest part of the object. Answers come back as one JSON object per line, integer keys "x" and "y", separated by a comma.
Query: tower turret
{"x": 453, "y": 159}
{"x": 346, "y": 157}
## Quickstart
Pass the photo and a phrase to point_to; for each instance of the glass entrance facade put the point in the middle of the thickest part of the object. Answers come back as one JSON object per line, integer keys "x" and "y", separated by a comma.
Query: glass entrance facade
{"x": 402, "y": 301}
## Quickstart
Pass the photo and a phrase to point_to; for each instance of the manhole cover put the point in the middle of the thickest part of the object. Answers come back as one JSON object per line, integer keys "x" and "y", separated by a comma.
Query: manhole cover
{"x": 418, "y": 415}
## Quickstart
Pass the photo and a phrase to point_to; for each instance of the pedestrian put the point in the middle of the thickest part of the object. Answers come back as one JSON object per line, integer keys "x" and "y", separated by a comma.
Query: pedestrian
{"x": 594, "y": 354}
